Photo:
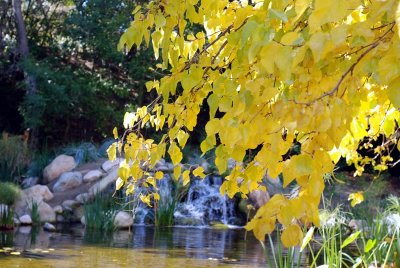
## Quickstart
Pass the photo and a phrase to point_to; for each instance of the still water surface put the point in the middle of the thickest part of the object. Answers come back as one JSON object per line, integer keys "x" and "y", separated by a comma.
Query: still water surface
{"x": 142, "y": 247}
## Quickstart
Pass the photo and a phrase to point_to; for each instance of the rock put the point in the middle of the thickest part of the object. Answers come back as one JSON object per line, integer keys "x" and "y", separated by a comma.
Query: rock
{"x": 25, "y": 220}
{"x": 259, "y": 198}
{"x": 83, "y": 220}
{"x": 123, "y": 220}
{"x": 29, "y": 182}
{"x": 92, "y": 175}
{"x": 58, "y": 209}
{"x": 49, "y": 227}
{"x": 60, "y": 218}
{"x": 61, "y": 164}
{"x": 68, "y": 180}
{"x": 163, "y": 166}
{"x": 101, "y": 185}
{"x": 46, "y": 213}
{"x": 39, "y": 193}
{"x": 82, "y": 198}
{"x": 70, "y": 205}
{"x": 35, "y": 194}
{"x": 109, "y": 165}
{"x": 16, "y": 221}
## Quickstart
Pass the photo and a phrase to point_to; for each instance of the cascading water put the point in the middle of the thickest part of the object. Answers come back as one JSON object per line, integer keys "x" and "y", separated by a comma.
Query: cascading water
{"x": 204, "y": 204}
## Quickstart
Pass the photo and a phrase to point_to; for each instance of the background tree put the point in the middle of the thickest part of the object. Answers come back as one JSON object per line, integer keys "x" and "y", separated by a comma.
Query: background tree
{"x": 319, "y": 75}
{"x": 80, "y": 76}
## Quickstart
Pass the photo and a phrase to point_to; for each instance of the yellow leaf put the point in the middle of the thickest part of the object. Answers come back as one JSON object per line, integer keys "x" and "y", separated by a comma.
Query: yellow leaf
{"x": 177, "y": 172}
{"x": 146, "y": 199}
{"x": 393, "y": 92}
{"x": 130, "y": 189}
{"x": 182, "y": 137}
{"x": 356, "y": 198}
{"x": 151, "y": 180}
{"x": 119, "y": 183}
{"x": 296, "y": 166}
{"x": 263, "y": 227}
{"x": 115, "y": 132}
{"x": 292, "y": 236}
{"x": 199, "y": 172}
{"x": 175, "y": 153}
{"x": 112, "y": 152}
{"x": 159, "y": 175}
{"x": 186, "y": 177}
{"x": 208, "y": 144}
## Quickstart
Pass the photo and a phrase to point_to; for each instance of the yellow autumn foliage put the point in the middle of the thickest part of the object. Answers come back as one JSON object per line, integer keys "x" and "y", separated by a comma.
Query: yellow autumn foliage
{"x": 324, "y": 73}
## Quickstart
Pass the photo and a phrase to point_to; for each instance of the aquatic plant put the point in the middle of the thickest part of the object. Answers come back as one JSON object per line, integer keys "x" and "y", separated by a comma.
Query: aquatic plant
{"x": 100, "y": 212}
{"x": 35, "y": 216}
{"x": 6, "y": 217}
{"x": 170, "y": 195}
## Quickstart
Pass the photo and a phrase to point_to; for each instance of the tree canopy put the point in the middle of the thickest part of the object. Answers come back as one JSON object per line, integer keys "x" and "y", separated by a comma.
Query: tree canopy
{"x": 322, "y": 75}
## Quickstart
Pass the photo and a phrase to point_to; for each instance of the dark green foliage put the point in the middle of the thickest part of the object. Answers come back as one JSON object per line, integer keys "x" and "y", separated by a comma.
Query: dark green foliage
{"x": 14, "y": 158}
{"x": 84, "y": 84}
{"x": 9, "y": 193}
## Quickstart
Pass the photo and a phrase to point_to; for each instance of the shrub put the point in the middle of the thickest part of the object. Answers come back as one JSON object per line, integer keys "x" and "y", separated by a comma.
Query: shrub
{"x": 83, "y": 153}
{"x": 9, "y": 193}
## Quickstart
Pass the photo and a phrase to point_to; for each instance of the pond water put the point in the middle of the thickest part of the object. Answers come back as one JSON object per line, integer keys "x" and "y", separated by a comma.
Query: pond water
{"x": 143, "y": 246}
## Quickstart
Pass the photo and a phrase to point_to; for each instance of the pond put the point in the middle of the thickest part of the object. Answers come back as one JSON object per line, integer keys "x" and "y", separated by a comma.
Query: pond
{"x": 143, "y": 246}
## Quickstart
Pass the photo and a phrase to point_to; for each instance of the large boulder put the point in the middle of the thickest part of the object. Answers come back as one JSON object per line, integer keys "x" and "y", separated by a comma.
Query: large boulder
{"x": 123, "y": 220}
{"x": 70, "y": 205}
{"x": 259, "y": 198}
{"x": 105, "y": 182}
{"x": 61, "y": 164}
{"x": 92, "y": 175}
{"x": 35, "y": 194}
{"x": 109, "y": 165}
{"x": 46, "y": 212}
{"x": 68, "y": 180}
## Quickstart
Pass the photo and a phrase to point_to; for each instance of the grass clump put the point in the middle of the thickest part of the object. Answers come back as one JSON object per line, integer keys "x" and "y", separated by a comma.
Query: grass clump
{"x": 100, "y": 213}
{"x": 35, "y": 216}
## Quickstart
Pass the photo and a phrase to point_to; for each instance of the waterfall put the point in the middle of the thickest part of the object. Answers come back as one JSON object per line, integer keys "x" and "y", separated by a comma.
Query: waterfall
{"x": 202, "y": 205}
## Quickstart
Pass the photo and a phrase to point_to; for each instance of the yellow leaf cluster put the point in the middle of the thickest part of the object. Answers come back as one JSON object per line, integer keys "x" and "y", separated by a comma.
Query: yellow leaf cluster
{"x": 321, "y": 73}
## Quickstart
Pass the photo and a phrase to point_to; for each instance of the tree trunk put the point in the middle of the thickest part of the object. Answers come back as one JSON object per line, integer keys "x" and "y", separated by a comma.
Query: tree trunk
{"x": 23, "y": 49}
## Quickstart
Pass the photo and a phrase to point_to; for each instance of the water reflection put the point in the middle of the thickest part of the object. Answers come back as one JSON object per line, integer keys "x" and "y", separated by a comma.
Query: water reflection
{"x": 165, "y": 247}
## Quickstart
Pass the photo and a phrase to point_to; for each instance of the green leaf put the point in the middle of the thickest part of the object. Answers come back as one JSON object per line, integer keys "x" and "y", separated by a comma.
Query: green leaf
{"x": 370, "y": 245}
{"x": 350, "y": 239}
{"x": 307, "y": 238}
{"x": 275, "y": 14}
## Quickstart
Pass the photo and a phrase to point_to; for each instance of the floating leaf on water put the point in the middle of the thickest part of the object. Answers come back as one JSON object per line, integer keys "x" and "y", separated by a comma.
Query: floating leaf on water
{"x": 15, "y": 253}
